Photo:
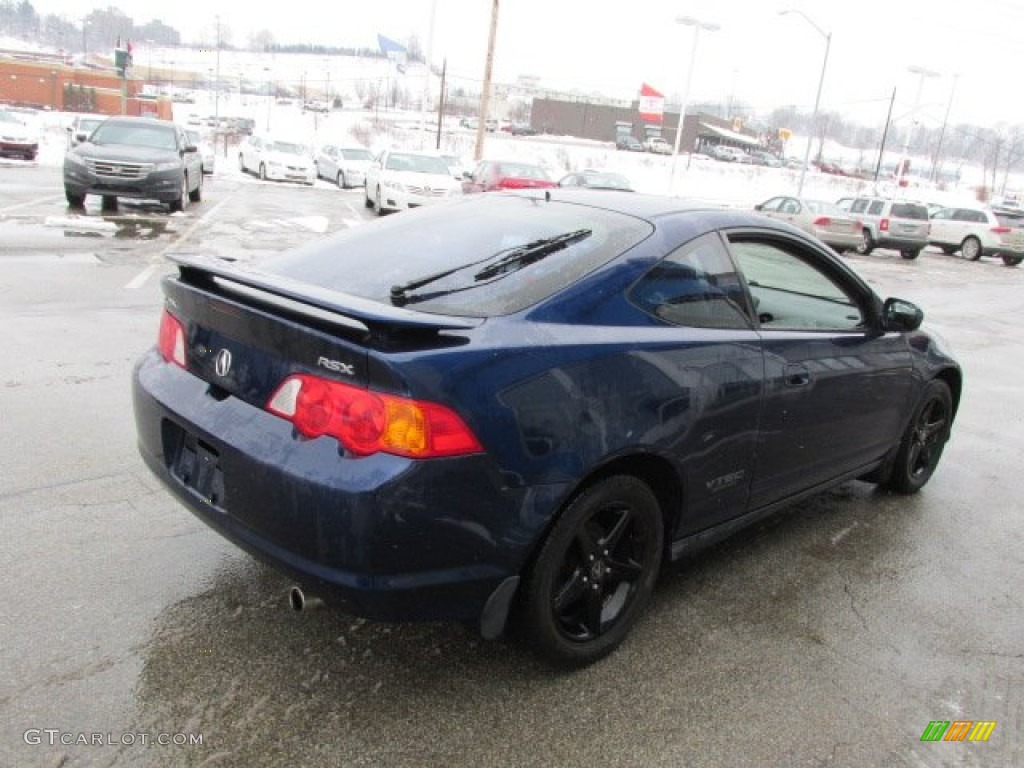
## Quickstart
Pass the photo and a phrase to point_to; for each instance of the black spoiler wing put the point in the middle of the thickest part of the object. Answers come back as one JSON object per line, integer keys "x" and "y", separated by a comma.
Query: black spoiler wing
{"x": 371, "y": 315}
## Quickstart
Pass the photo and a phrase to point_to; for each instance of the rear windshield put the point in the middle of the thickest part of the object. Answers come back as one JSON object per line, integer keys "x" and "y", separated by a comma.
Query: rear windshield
{"x": 909, "y": 211}
{"x": 1015, "y": 220}
{"x": 466, "y": 236}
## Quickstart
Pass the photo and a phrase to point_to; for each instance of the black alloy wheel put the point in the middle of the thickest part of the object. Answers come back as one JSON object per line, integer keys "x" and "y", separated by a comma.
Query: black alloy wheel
{"x": 594, "y": 573}
{"x": 922, "y": 444}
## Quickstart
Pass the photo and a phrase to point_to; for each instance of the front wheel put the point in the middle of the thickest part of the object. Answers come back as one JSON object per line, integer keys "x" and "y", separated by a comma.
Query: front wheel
{"x": 109, "y": 203}
{"x": 594, "y": 573}
{"x": 971, "y": 249}
{"x": 910, "y": 254}
{"x": 1012, "y": 261}
{"x": 866, "y": 244}
{"x": 340, "y": 181}
{"x": 197, "y": 194}
{"x": 921, "y": 446}
{"x": 74, "y": 201}
{"x": 241, "y": 162}
{"x": 182, "y": 201}
{"x": 263, "y": 172}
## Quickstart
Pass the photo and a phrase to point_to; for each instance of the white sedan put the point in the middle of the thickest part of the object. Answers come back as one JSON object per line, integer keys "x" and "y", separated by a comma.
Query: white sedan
{"x": 399, "y": 179}
{"x": 277, "y": 159}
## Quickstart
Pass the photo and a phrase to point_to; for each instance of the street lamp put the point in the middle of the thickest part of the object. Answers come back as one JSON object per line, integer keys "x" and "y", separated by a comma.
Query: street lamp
{"x": 817, "y": 98}
{"x": 922, "y": 73}
{"x": 697, "y": 25}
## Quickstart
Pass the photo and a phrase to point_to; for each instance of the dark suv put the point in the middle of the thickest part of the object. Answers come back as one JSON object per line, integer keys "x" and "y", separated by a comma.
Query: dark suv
{"x": 898, "y": 224}
{"x": 134, "y": 157}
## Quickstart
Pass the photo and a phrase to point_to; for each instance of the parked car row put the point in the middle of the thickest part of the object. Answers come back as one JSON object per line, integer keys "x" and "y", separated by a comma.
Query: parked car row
{"x": 865, "y": 223}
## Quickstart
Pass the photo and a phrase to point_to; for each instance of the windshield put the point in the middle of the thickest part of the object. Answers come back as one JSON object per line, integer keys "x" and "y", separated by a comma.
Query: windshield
{"x": 415, "y": 250}
{"x": 7, "y": 117}
{"x": 417, "y": 164}
{"x": 357, "y": 154}
{"x": 135, "y": 135}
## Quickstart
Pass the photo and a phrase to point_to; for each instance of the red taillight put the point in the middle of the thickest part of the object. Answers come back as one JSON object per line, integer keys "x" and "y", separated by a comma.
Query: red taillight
{"x": 822, "y": 221}
{"x": 1001, "y": 230}
{"x": 172, "y": 339}
{"x": 884, "y": 225}
{"x": 368, "y": 422}
{"x": 511, "y": 182}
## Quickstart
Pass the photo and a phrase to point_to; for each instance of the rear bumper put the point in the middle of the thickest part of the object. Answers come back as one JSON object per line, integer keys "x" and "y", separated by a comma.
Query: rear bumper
{"x": 381, "y": 537}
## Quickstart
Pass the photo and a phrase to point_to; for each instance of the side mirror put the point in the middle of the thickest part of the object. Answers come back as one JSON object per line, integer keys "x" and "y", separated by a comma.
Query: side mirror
{"x": 758, "y": 207}
{"x": 901, "y": 315}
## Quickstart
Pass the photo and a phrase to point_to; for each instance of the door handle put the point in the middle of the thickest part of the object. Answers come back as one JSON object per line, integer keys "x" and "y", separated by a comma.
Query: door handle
{"x": 797, "y": 375}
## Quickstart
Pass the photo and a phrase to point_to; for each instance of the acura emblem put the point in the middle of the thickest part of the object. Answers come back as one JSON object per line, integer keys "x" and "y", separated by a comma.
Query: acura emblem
{"x": 222, "y": 365}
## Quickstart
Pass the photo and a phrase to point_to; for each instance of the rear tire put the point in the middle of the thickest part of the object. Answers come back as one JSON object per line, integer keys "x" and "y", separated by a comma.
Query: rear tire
{"x": 971, "y": 248}
{"x": 1012, "y": 261}
{"x": 866, "y": 245}
{"x": 921, "y": 446}
{"x": 340, "y": 181}
{"x": 263, "y": 172}
{"x": 241, "y": 162}
{"x": 594, "y": 573}
{"x": 911, "y": 254}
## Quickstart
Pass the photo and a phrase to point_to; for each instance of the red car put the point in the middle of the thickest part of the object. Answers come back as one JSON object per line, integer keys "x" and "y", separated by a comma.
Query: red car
{"x": 490, "y": 175}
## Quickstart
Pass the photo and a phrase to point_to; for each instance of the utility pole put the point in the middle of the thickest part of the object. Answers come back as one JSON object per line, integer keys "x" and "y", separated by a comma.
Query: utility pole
{"x": 485, "y": 97}
{"x": 885, "y": 134}
{"x": 440, "y": 104}
{"x": 216, "y": 85}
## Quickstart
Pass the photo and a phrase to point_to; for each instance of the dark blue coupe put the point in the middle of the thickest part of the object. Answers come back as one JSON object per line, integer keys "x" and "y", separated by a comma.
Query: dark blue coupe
{"x": 515, "y": 407}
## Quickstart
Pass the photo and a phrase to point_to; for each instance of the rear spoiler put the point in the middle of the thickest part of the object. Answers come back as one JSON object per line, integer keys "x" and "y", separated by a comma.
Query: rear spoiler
{"x": 372, "y": 315}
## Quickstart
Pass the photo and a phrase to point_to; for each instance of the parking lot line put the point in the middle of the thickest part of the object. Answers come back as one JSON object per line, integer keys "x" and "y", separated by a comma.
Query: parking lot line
{"x": 30, "y": 203}
{"x": 140, "y": 279}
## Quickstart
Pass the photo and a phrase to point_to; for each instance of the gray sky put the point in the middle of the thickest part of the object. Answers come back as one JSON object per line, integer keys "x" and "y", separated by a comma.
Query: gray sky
{"x": 757, "y": 56}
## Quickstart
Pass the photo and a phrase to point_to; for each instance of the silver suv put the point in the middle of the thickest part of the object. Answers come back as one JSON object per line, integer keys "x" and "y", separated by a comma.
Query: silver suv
{"x": 897, "y": 224}
{"x": 978, "y": 231}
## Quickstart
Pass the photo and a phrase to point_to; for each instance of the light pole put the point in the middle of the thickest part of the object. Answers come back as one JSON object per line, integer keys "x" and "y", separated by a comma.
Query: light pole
{"x": 697, "y": 25}
{"x": 817, "y": 98}
{"x": 922, "y": 73}
{"x": 942, "y": 132}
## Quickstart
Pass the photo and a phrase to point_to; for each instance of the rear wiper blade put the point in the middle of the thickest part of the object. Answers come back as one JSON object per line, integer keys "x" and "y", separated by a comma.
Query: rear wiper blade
{"x": 523, "y": 255}
{"x": 509, "y": 259}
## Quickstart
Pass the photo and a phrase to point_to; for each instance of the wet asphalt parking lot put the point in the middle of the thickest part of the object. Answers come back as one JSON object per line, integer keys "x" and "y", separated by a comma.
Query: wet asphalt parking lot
{"x": 831, "y": 635}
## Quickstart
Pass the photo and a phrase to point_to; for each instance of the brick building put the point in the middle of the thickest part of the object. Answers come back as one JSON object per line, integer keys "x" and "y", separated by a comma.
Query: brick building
{"x": 51, "y": 84}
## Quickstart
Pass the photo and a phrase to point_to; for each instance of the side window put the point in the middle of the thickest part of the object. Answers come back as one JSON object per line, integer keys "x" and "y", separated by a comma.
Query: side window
{"x": 773, "y": 204}
{"x": 791, "y": 292}
{"x": 859, "y": 205}
{"x": 876, "y": 207}
{"x": 695, "y": 286}
{"x": 943, "y": 214}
